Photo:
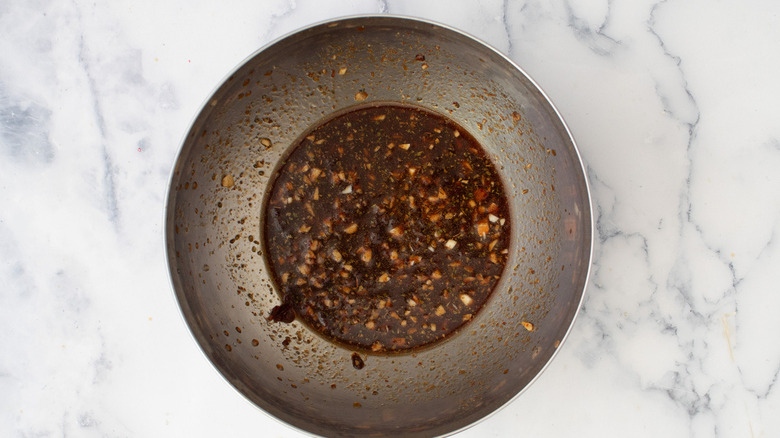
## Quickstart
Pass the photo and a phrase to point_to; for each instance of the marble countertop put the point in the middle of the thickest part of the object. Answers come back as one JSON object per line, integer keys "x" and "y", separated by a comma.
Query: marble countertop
{"x": 675, "y": 106}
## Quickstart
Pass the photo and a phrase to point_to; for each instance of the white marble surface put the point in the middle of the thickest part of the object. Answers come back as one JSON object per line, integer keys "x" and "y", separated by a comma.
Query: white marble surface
{"x": 676, "y": 108}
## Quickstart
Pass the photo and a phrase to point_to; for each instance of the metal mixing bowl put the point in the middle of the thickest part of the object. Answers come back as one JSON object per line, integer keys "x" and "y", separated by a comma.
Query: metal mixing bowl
{"x": 215, "y": 242}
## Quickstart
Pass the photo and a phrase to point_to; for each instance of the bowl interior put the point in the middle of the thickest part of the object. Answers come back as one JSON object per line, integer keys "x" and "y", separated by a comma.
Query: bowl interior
{"x": 214, "y": 228}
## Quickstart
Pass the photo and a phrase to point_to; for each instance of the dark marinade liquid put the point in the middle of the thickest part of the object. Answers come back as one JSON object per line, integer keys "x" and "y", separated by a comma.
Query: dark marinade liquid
{"x": 387, "y": 228}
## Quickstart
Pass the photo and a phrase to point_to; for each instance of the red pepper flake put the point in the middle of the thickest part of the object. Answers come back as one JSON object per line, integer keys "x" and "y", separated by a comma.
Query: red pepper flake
{"x": 282, "y": 313}
{"x": 483, "y": 228}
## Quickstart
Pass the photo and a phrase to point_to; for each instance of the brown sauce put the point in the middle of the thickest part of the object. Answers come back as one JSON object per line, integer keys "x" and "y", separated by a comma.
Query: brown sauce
{"x": 387, "y": 228}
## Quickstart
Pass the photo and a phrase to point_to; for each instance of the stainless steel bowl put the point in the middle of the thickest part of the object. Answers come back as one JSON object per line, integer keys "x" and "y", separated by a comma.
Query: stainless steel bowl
{"x": 215, "y": 244}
